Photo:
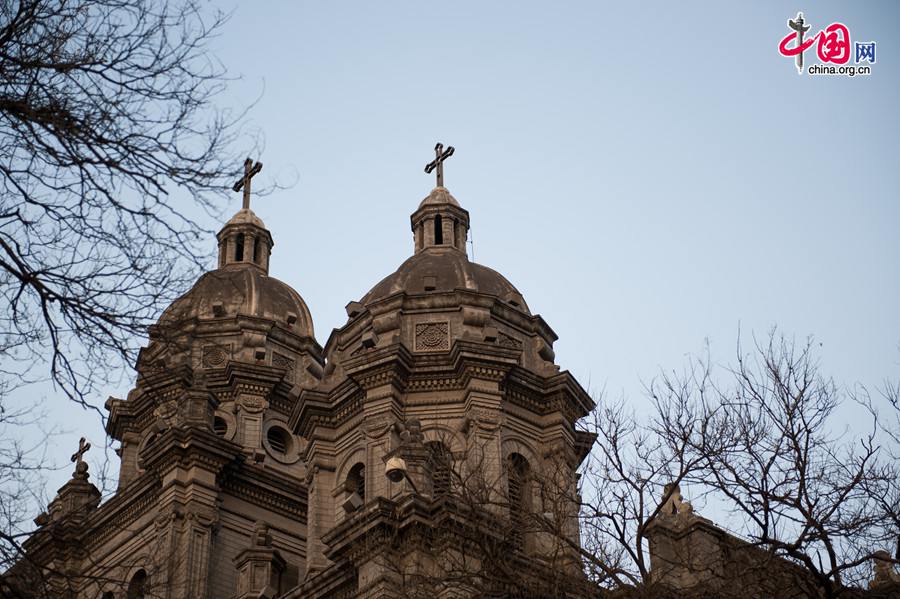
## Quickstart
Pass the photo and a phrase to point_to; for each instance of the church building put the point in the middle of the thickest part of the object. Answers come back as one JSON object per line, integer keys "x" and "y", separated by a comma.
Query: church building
{"x": 410, "y": 455}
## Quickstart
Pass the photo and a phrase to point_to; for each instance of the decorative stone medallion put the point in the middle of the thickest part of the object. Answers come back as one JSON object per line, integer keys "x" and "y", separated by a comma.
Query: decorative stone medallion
{"x": 214, "y": 356}
{"x": 433, "y": 336}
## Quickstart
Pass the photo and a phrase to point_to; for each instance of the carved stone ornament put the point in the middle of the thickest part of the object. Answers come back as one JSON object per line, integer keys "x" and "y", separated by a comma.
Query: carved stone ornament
{"x": 376, "y": 426}
{"x": 252, "y": 403}
{"x": 281, "y": 361}
{"x": 484, "y": 419}
{"x": 505, "y": 340}
{"x": 214, "y": 356}
{"x": 433, "y": 336}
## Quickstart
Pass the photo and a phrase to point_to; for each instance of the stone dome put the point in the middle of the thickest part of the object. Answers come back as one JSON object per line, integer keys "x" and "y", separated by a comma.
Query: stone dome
{"x": 440, "y": 270}
{"x": 241, "y": 289}
{"x": 437, "y": 197}
{"x": 245, "y": 216}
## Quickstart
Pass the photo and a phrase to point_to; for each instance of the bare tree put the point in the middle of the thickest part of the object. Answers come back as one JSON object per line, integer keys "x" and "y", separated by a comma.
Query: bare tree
{"x": 111, "y": 149}
{"x": 800, "y": 481}
{"x": 22, "y": 465}
{"x": 813, "y": 499}
{"x": 112, "y": 152}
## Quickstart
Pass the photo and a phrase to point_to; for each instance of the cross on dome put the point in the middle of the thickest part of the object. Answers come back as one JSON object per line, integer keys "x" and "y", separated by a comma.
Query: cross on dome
{"x": 250, "y": 169}
{"x": 440, "y": 155}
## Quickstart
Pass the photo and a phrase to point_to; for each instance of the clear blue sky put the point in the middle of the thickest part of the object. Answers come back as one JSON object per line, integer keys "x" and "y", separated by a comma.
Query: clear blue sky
{"x": 648, "y": 176}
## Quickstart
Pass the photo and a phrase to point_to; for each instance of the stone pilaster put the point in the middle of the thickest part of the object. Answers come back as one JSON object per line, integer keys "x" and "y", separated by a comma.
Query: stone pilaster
{"x": 320, "y": 517}
{"x": 259, "y": 567}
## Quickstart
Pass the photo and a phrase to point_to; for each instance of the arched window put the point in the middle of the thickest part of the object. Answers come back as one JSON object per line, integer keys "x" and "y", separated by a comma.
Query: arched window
{"x": 356, "y": 481}
{"x": 441, "y": 462}
{"x": 256, "y": 250}
{"x": 518, "y": 473}
{"x": 239, "y": 248}
{"x": 137, "y": 588}
{"x": 438, "y": 230}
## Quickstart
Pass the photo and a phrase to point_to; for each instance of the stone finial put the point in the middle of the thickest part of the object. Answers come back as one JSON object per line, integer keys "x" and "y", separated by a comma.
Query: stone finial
{"x": 75, "y": 498}
{"x": 675, "y": 504}
{"x": 884, "y": 570}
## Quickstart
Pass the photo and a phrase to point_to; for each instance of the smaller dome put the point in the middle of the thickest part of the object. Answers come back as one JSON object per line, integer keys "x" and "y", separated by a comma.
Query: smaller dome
{"x": 245, "y": 216}
{"x": 439, "y": 196}
{"x": 437, "y": 270}
{"x": 239, "y": 290}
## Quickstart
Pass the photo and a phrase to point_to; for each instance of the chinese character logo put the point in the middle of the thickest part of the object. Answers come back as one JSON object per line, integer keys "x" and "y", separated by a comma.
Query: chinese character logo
{"x": 833, "y": 45}
{"x": 865, "y": 51}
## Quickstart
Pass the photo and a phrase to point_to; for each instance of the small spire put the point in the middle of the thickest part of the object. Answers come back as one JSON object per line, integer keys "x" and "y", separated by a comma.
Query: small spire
{"x": 440, "y": 222}
{"x": 244, "y": 239}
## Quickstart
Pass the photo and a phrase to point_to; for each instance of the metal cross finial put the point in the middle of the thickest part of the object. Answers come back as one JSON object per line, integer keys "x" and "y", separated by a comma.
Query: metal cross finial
{"x": 250, "y": 169}
{"x": 83, "y": 446}
{"x": 440, "y": 155}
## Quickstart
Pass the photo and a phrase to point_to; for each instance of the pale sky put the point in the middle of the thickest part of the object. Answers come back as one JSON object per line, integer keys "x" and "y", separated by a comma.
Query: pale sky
{"x": 648, "y": 176}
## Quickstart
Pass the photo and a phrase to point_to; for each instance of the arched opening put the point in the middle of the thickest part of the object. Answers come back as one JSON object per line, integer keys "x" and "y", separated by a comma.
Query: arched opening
{"x": 239, "y": 248}
{"x": 220, "y": 426}
{"x": 518, "y": 473}
{"x": 356, "y": 481}
{"x": 256, "y": 251}
{"x": 438, "y": 230}
{"x": 107, "y": 595}
{"x": 137, "y": 588}
{"x": 279, "y": 439}
{"x": 441, "y": 463}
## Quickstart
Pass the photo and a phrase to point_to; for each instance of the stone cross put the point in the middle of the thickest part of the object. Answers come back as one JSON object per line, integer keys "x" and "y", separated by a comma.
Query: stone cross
{"x": 83, "y": 446}
{"x": 440, "y": 155}
{"x": 250, "y": 169}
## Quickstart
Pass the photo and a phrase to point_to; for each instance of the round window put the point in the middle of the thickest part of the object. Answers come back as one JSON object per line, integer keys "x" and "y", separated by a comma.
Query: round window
{"x": 220, "y": 426}
{"x": 281, "y": 444}
{"x": 279, "y": 440}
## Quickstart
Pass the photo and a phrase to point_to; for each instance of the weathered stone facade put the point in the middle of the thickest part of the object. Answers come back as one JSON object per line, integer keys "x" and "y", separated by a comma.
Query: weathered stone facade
{"x": 256, "y": 463}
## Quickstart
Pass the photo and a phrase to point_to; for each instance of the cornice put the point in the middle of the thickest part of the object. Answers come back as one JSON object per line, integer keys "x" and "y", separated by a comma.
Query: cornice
{"x": 189, "y": 447}
{"x": 343, "y": 338}
{"x": 234, "y": 324}
{"x": 122, "y": 510}
{"x": 266, "y": 488}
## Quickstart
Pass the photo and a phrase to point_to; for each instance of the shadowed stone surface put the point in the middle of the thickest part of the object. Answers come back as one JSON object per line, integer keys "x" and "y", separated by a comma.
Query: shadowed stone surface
{"x": 241, "y": 291}
{"x": 447, "y": 270}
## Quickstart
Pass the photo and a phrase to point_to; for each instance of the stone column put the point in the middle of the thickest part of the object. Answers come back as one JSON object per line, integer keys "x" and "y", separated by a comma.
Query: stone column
{"x": 429, "y": 232}
{"x": 448, "y": 233}
{"x": 419, "y": 238}
{"x": 460, "y": 236}
{"x": 248, "y": 247}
